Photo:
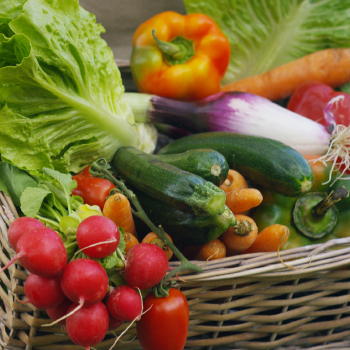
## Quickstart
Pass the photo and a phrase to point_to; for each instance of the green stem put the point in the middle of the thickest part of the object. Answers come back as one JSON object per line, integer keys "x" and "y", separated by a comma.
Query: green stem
{"x": 178, "y": 51}
{"x": 100, "y": 169}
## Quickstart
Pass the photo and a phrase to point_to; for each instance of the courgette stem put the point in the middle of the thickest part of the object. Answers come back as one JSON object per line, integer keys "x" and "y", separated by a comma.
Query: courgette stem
{"x": 100, "y": 168}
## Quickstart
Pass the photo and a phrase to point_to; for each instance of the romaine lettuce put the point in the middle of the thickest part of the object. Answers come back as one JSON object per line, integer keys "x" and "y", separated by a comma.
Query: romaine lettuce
{"x": 61, "y": 94}
{"x": 267, "y": 33}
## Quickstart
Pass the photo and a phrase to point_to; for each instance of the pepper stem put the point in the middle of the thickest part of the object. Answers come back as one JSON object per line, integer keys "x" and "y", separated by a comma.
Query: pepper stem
{"x": 335, "y": 196}
{"x": 178, "y": 51}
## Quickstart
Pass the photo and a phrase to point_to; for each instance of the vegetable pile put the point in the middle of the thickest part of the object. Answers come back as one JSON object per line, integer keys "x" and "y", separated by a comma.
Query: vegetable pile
{"x": 256, "y": 160}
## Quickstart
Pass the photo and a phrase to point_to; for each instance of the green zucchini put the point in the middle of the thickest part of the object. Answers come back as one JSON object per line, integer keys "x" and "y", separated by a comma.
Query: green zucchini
{"x": 209, "y": 164}
{"x": 180, "y": 189}
{"x": 263, "y": 161}
{"x": 185, "y": 229}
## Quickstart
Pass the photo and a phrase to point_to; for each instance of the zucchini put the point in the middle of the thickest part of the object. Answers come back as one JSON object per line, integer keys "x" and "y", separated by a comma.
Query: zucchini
{"x": 180, "y": 189}
{"x": 184, "y": 228}
{"x": 209, "y": 164}
{"x": 263, "y": 161}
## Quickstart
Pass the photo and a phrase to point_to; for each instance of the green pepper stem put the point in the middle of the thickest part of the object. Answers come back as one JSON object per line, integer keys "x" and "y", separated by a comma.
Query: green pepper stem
{"x": 178, "y": 51}
{"x": 335, "y": 196}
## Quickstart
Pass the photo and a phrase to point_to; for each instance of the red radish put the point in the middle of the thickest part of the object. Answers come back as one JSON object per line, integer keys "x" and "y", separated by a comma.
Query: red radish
{"x": 88, "y": 325}
{"x": 60, "y": 311}
{"x": 145, "y": 265}
{"x": 114, "y": 323}
{"x": 43, "y": 292}
{"x": 84, "y": 281}
{"x": 40, "y": 251}
{"x": 20, "y": 226}
{"x": 94, "y": 230}
{"x": 124, "y": 303}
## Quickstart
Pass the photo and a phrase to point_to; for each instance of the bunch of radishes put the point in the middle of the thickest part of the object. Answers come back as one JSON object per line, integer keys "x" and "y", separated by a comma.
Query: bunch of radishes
{"x": 77, "y": 294}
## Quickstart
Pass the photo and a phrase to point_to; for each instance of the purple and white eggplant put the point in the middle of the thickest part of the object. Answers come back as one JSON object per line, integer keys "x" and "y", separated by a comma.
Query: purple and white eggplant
{"x": 247, "y": 114}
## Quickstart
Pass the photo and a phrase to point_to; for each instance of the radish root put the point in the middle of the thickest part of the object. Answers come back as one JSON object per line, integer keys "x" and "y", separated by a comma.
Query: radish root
{"x": 81, "y": 303}
{"x": 338, "y": 152}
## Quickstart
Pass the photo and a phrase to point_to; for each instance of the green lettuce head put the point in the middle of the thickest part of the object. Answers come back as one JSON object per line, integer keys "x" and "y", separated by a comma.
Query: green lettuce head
{"x": 61, "y": 93}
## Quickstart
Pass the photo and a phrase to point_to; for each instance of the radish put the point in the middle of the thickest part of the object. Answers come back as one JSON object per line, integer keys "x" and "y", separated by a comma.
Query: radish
{"x": 145, "y": 265}
{"x": 124, "y": 303}
{"x": 43, "y": 292}
{"x": 100, "y": 234}
{"x": 114, "y": 323}
{"x": 88, "y": 325}
{"x": 84, "y": 281}
{"x": 59, "y": 311}
{"x": 20, "y": 226}
{"x": 40, "y": 251}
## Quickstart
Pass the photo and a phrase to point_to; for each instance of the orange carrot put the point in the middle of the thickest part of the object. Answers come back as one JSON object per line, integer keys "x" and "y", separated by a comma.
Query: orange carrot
{"x": 118, "y": 209}
{"x": 240, "y": 237}
{"x": 130, "y": 240}
{"x": 270, "y": 239}
{"x": 154, "y": 239}
{"x": 212, "y": 250}
{"x": 329, "y": 66}
{"x": 234, "y": 181}
{"x": 243, "y": 199}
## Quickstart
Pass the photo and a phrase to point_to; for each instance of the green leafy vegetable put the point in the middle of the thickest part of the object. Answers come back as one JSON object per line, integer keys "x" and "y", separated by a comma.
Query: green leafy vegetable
{"x": 14, "y": 181}
{"x": 265, "y": 34}
{"x": 61, "y": 93}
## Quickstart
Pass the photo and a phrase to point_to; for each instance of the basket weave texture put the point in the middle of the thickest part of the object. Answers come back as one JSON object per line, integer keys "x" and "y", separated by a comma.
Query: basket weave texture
{"x": 300, "y": 300}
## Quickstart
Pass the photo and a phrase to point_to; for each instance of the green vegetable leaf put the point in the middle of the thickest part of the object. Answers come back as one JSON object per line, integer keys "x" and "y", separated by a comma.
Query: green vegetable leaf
{"x": 61, "y": 94}
{"x": 265, "y": 34}
{"x": 32, "y": 199}
{"x": 14, "y": 181}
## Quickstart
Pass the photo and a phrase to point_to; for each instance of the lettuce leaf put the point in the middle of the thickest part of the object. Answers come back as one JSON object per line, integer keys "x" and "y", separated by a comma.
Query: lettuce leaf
{"x": 61, "y": 94}
{"x": 265, "y": 34}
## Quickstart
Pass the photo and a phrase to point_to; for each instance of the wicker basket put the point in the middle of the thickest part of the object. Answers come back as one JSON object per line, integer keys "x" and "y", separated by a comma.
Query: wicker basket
{"x": 257, "y": 301}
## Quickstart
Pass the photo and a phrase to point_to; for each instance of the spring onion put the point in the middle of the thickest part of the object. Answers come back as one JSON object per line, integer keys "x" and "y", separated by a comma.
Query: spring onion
{"x": 247, "y": 114}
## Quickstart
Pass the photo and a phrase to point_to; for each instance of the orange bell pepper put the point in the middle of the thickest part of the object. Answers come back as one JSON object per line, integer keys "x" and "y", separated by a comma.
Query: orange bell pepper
{"x": 183, "y": 57}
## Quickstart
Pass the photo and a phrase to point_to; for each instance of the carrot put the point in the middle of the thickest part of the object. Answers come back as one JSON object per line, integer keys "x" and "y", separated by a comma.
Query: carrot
{"x": 118, "y": 209}
{"x": 270, "y": 239}
{"x": 234, "y": 181}
{"x": 154, "y": 239}
{"x": 329, "y": 66}
{"x": 130, "y": 240}
{"x": 240, "y": 237}
{"x": 243, "y": 199}
{"x": 212, "y": 250}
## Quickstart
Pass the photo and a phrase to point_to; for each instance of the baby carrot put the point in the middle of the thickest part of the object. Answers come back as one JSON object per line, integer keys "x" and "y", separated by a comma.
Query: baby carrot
{"x": 240, "y": 237}
{"x": 118, "y": 209}
{"x": 152, "y": 237}
{"x": 329, "y": 66}
{"x": 270, "y": 239}
{"x": 243, "y": 199}
{"x": 212, "y": 250}
{"x": 130, "y": 240}
{"x": 234, "y": 181}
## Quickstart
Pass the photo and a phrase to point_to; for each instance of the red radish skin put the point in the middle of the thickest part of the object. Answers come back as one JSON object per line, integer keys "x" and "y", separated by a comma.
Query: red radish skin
{"x": 88, "y": 325}
{"x": 84, "y": 281}
{"x": 60, "y": 311}
{"x": 98, "y": 229}
{"x": 19, "y": 227}
{"x": 145, "y": 265}
{"x": 40, "y": 251}
{"x": 114, "y": 323}
{"x": 124, "y": 303}
{"x": 43, "y": 292}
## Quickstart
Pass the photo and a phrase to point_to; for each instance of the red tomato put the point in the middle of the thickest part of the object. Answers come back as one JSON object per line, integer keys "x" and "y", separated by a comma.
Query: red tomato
{"x": 93, "y": 190}
{"x": 164, "y": 325}
{"x": 311, "y": 98}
